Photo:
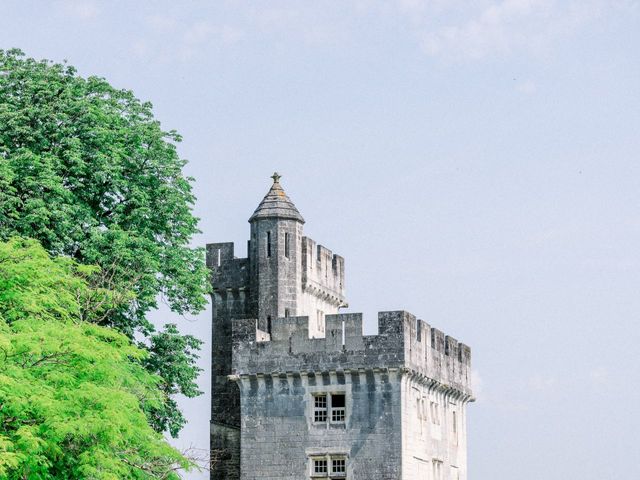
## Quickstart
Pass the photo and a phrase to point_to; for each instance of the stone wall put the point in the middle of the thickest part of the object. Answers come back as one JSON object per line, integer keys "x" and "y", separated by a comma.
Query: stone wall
{"x": 433, "y": 430}
{"x": 230, "y": 277}
{"x": 280, "y": 439}
{"x": 321, "y": 287}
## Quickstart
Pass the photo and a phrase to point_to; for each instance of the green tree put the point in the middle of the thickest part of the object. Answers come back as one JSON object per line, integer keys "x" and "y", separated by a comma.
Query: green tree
{"x": 74, "y": 395}
{"x": 87, "y": 171}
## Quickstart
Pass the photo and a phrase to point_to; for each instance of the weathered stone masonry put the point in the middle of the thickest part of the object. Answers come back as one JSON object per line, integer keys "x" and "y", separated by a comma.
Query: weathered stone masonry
{"x": 280, "y": 349}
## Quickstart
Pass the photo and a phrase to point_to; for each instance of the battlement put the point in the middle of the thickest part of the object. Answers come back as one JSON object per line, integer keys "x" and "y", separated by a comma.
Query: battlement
{"x": 322, "y": 272}
{"x": 227, "y": 271}
{"x": 403, "y": 342}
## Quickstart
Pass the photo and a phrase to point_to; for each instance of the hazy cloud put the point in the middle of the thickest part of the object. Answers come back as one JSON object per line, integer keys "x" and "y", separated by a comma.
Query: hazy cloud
{"x": 541, "y": 382}
{"x": 183, "y": 40}
{"x": 140, "y": 47}
{"x": 79, "y": 9}
{"x": 599, "y": 376}
{"x": 198, "y": 32}
{"x": 229, "y": 34}
{"x": 162, "y": 23}
{"x": 312, "y": 24}
{"x": 502, "y": 27}
{"x": 528, "y": 87}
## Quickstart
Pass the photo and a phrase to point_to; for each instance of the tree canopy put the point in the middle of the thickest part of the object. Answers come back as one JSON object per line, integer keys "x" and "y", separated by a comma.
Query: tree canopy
{"x": 87, "y": 171}
{"x": 74, "y": 396}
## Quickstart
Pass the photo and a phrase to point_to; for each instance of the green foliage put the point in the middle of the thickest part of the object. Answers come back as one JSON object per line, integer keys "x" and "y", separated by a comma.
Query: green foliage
{"x": 73, "y": 394}
{"x": 171, "y": 356}
{"x": 87, "y": 171}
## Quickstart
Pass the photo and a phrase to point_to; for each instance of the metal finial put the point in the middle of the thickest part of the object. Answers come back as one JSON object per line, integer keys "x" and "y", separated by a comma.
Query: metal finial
{"x": 276, "y": 177}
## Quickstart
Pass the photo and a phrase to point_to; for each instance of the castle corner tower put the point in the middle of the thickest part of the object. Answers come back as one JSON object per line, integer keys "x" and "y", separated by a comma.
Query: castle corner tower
{"x": 274, "y": 256}
{"x": 284, "y": 275}
{"x": 298, "y": 392}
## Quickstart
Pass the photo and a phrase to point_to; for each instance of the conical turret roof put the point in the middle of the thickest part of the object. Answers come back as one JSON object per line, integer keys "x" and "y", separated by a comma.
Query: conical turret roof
{"x": 276, "y": 204}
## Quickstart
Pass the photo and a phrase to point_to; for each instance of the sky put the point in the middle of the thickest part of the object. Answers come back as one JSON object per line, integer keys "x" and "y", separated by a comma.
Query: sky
{"x": 476, "y": 163}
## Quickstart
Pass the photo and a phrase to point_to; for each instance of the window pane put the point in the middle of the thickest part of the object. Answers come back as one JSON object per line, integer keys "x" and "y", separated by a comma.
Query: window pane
{"x": 337, "y": 415}
{"x": 338, "y": 408}
{"x": 319, "y": 466}
{"x": 338, "y": 465}
{"x": 320, "y": 408}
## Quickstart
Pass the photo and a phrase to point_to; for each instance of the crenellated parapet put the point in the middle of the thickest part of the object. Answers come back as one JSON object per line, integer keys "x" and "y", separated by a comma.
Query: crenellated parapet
{"x": 403, "y": 342}
{"x": 227, "y": 271}
{"x": 322, "y": 273}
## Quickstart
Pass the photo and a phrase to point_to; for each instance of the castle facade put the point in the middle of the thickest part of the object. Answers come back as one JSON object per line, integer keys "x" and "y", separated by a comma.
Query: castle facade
{"x": 298, "y": 392}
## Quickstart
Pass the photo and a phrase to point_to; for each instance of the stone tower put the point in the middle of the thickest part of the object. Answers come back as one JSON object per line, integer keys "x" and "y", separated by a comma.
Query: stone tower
{"x": 282, "y": 278}
{"x": 299, "y": 392}
{"x": 285, "y": 275}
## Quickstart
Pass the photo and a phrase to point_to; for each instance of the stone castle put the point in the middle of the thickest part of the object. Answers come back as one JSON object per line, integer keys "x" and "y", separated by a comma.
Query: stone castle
{"x": 298, "y": 392}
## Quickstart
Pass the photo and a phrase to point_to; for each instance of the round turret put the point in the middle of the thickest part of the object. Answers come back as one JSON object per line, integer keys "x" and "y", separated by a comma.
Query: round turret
{"x": 274, "y": 256}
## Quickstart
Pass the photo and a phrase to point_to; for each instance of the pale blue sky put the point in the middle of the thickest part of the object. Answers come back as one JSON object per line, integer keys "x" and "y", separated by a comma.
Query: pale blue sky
{"x": 476, "y": 163}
